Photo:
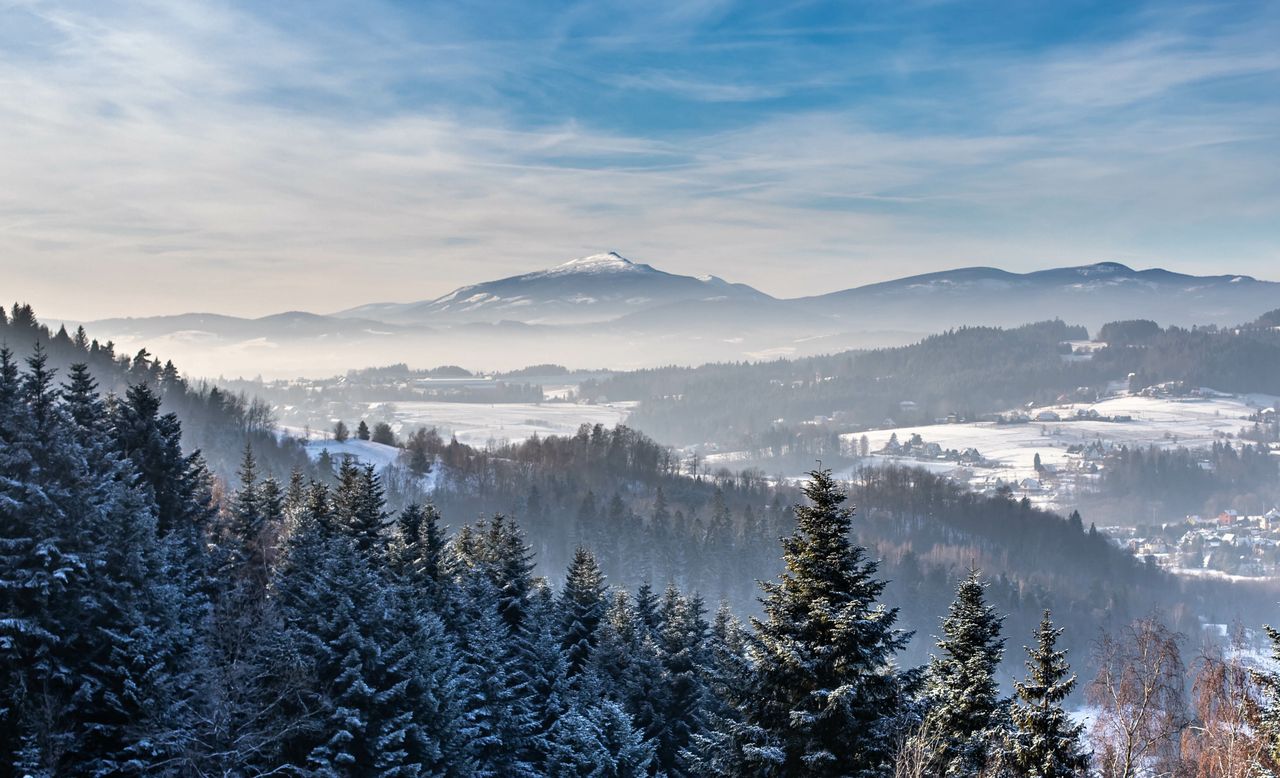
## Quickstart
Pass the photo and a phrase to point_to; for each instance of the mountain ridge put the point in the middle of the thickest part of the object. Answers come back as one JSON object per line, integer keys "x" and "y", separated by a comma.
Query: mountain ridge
{"x": 604, "y": 309}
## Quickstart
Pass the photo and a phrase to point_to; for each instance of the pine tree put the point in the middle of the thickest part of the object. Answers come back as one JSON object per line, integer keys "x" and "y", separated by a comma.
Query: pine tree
{"x": 963, "y": 692}
{"x": 598, "y": 740}
{"x": 682, "y": 651}
{"x": 499, "y": 723}
{"x": 582, "y": 606}
{"x": 496, "y": 549}
{"x": 362, "y": 430}
{"x": 92, "y": 646}
{"x": 246, "y": 523}
{"x": 1045, "y": 743}
{"x": 358, "y": 506}
{"x": 418, "y": 553}
{"x": 1268, "y": 682}
{"x": 713, "y": 751}
{"x": 824, "y": 696}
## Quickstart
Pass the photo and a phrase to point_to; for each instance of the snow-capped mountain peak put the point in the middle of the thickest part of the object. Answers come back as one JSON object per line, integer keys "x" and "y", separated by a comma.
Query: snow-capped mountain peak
{"x": 611, "y": 262}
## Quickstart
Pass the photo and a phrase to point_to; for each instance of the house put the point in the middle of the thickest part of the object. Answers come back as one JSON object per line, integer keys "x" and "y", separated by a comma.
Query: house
{"x": 1048, "y": 416}
{"x": 1271, "y": 519}
{"x": 1228, "y": 517}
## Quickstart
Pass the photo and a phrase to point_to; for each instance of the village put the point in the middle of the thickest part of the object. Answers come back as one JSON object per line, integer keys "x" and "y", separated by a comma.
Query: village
{"x": 1227, "y": 545}
{"x": 1056, "y": 458}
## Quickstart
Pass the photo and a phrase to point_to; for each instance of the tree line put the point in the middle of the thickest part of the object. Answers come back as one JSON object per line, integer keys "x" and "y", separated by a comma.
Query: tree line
{"x": 213, "y": 419}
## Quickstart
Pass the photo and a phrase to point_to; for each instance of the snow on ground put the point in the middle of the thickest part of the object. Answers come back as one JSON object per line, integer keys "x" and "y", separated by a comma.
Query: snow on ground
{"x": 476, "y": 424}
{"x": 1191, "y": 422}
{"x": 365, "y": 451}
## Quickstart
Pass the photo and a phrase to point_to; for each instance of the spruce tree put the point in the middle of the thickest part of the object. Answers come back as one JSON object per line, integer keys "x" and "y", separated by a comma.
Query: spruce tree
{"x": 499, "y": 722}
{"x": 1045, "y": 743}
{"x": 627, "y": 667}
{"x": 358, "y": 506}
{"x": 418, "y": 553}
{"x": 715, "y": 751}
{"x": 824, "y": 695}
{"x": 152, "y": 441}
{"x": 1268, "y": 681}
{"x": 93, "y": 649}
{"x": 965, "y": 708}
{"x": 246, "y": 522}
{"x": 582, "y": 607}
{"x": 682, "y": 651}
{"x": 599, "y": 740}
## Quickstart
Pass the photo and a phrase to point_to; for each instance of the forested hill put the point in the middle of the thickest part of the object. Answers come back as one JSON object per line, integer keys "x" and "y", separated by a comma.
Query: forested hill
{"x": 969, "y": 372}
{"x": 215, "y": 422}
{"x": 630, "y": 499}
{"x": 647, "y": 520}
{"x": 305, "y": 629}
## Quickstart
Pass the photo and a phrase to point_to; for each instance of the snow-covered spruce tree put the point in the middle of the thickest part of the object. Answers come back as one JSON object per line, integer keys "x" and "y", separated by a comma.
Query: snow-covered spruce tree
{"x": 1045, "y": 743}
{"x": 92, "y": 650}
{"x": 495, "y": 551}
{"x": 244, "y": 524}
{"x": 824, "y": 694}
{"x": 582, "y": 607}
{"x": 152, "y": 441}
{"x": 1269, "y": 683}
{"x": 627, "y": 668}
{"x": 358, "y": 506}
{"x": 545, "y": 674}
{"x": 682, "y": 648}
{"x": 496, "y": 548}
{"x": 598, "y": 740}
{"x": 417, "y": 553}
{"x": 713, "y": 752}
{"x": 367, "y": 677}
{"x": 499, "y": 723}
{"x": 646, "y": 606}
{"x": 965, "y": 713}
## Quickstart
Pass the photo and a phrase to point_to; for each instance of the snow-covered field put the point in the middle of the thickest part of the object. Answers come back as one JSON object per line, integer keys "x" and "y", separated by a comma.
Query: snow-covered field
{"x": 1192, "y": 422}
{"x": 365, "y": 451}
{"x": 476, "y": 424}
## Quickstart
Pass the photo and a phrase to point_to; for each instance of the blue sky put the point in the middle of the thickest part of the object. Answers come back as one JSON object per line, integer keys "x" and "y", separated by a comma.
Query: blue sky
{"x": 253, "y": 157}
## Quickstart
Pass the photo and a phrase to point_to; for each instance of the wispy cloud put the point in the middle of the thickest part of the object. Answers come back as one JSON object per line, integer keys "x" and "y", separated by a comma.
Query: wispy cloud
{"x": 160, "y": 157}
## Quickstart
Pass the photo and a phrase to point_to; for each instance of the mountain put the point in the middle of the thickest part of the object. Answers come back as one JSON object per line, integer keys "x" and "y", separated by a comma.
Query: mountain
{"x": 607, "y": 311}
{"x": 213, "y": 326}
{"x": 1088, "y": 294}
{"x": 597, "y": 288}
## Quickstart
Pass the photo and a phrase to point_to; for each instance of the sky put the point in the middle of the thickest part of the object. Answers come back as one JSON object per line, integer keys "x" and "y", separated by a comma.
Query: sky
{"x": 254, "y": 157}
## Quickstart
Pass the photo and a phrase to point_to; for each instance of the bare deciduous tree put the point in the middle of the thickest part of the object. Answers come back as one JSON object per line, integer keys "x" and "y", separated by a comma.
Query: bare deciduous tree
{"x": 1139, "y": 692}
{"x": 1223, "y": 741}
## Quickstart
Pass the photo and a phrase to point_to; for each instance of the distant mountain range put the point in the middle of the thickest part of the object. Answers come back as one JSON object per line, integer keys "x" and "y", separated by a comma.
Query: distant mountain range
{"x": 591, "y": 289}
{"x": 605, "y": 310}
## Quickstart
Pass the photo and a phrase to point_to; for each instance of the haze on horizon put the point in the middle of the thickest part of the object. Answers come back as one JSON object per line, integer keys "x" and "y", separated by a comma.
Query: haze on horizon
{"x": 249, "y": 158}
